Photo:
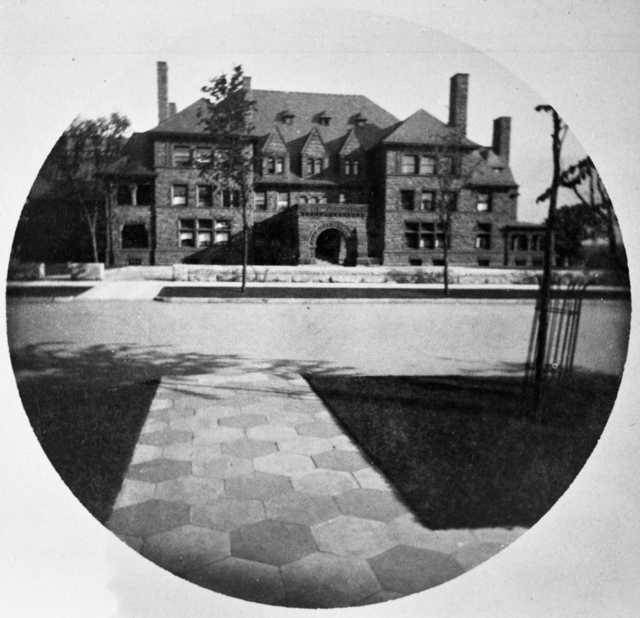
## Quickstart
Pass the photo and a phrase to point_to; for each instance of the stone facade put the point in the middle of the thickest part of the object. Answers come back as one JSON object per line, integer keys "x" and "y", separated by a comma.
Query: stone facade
{"x": 337, "y": 179}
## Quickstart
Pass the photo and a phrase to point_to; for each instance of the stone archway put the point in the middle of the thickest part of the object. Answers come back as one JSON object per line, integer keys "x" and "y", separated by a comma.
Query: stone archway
{"x": 334, "y": 243}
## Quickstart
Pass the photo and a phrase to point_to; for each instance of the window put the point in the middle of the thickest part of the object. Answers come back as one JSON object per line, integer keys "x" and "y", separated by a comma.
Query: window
{"x": 279, "y": 165}
{"x": 406, "y": 200}
{"x": 203, "y": 155}
{"x": 437, "y": 262}
{"x": 179, "y": 195}
{"x": 135, "y": 236}
{"x": 205, "y": 229}
{"x": 445, "y": 166}
{"x": 484, "y": 262}
{"x": 537, "y": 242}
{"x": 146, "y": 194}
{"x": 230, "y": 198}
{"x": 483, "y": 202}
{"x": 450, "y": 200}
{"x": 222, "y": 231}
{"x": 356, "y": 167}
{"x": 537, "y": 262}
{"x": 424, "y": 235}
{"x": 205, "y": 196}
{"x": 187, "y": 233}
{"x": 427, "y": 200}
{"x": 283, "y": 200}
{"x": 351, "y": 167}
{"x": 313, "y": 200}
{"x": 303, "y": 199}
{"x": 181, "y": 156}
{"x": 519, "y": 242}
{"x": 409, "y": 164}
{"x": 195, "y": 232}
{"x": 342, "y": 198}
{"x": 310, "y": 167}
{"x": 123, "y": 196}
{"x": 520, "y": 262}
{"x": 427, "y": 165}
{"x": 260, "y": 200}
{"x": 483, "y": 237}
{"x": 415, "y": 262}
{"x": 318, "y": 164}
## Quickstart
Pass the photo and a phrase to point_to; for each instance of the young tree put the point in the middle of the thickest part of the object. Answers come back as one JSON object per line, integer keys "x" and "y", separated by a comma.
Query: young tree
{"x": 85, "y": 149}
{"x": 227, "y": 121}
{"x": 557, "y": 137}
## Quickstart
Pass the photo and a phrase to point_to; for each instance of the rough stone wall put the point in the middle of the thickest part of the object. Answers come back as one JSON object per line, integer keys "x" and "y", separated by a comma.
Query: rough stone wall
{"x": 121, "y": 215}
{"x": 309, "y": 227}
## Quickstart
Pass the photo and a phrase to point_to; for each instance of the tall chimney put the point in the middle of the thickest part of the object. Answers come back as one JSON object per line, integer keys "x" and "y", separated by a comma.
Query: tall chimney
{"x": 502, "y": 136}
{"x": 458, "y": 94}
{"x": 163, "y": 92}
{"x": 246, "y": 82}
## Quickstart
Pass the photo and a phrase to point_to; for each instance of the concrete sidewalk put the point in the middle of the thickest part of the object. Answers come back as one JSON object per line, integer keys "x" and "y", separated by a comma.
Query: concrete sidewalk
{"x": 243, "y": 483}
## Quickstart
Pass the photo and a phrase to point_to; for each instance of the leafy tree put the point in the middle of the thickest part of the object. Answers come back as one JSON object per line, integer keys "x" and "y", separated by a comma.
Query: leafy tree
{"x": 574, "y": 224}
{"x": 227, "y": 121}
{"x": 65, "y": 208}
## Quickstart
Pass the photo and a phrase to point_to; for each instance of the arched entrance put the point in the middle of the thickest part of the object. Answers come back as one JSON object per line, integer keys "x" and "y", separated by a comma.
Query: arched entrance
{"x": 331, "y": 246}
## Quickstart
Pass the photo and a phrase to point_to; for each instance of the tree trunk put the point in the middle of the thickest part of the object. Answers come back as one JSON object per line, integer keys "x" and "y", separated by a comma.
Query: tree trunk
{"x": 445, "y": 255}
{"x": 245, "y": 244}
{"x": 545, "y": 285}
{"x": 91, "y": 220}
{"x": 108, "y": 251}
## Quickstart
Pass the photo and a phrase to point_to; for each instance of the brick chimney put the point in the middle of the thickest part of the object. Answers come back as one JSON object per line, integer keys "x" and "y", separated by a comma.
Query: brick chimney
{"x": 246, "y": 83}
{"x": 502, "y": 136}
{"x": 458, "y": 94}
{"x": 163, "y": 91}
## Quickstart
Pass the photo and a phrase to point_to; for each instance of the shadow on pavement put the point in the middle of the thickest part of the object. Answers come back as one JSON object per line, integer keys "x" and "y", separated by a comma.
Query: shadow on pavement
{"x": 87, "y": 405}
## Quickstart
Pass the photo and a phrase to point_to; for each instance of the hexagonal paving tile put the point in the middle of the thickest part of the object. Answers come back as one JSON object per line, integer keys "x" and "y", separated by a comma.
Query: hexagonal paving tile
{"x": 165, "y": 437}
{"x": 257, "y": 486}
{"x": 287, "y": 464}
{"x": 288, "y": 417}
{"x": 248, "y": 448}
{"x": 152, "y": 424}
{"x": 344, "y": 443}
{"x": 271, "y": 433}
{"x": 190, "y": 489}
{"x": 301, "y": 508}
{"x": 325, "y": 482}
{"x": 206, "y": 452}
{"x": 406, "y": 530}
{"x": 503, "y": 536}
{"x": 218, "y": 435}
{"x": 182, "y": 451}
{"x": 411, "y": 569}
{"x": 305, "y": 445}
{"x": 160, "y": 404}
{"x": 370, "y": 478}
{"x": 371, "y": 504}
{"x": 226, "y": 514}
{"x": 148, "y": 518}
{"x": 159, "y": 470}
{"x": 474, "y": 554}
{"x": 335, "y": 459}
{"x": 319, "y": 429}
{"x": 134, "y": 492}
{"x": 244, "y": 579}
{"x": 272, "y": 542}
{"x": 352, "y": 536}
{"x": 222, "y": 467}
{"x": 325, "y": 580}
{"x": 186, "y": 548}
{"x": 243, "y": 420}
{"x": 146, "y": 452}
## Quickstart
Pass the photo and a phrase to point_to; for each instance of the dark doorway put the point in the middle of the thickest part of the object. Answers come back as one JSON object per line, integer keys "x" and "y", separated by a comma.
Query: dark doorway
{"x": 331, "y": 247}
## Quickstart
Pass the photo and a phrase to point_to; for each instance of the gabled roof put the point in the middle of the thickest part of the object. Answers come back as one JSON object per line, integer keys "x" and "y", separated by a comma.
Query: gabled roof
{"x": 351, "y": 143}
{"x": 274, "y": 141}
{"x": 314, "y": 134}
{"x": 489, "y": 170}
{"x": 424, "y": 129}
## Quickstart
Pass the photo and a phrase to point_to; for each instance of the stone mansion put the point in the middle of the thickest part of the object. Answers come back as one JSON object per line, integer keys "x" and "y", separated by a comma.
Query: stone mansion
{"x": 339, "y": 180}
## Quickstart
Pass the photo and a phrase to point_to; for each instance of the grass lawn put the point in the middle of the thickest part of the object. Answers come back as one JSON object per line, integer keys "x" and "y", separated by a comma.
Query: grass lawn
{"x": 458, "y": 450}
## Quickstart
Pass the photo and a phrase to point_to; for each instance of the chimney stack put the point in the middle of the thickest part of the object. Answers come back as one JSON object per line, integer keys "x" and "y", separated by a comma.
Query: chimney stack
{"x": 246, "y": 83}
{"x": 458, "y": 94}
{"x": 502, "y": 137}
{"x": 163, "y": 92}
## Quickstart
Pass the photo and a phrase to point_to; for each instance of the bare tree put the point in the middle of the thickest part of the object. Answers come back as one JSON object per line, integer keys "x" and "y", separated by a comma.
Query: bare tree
{"x": 558, "y": 135}
{"x": 227, "y": 122}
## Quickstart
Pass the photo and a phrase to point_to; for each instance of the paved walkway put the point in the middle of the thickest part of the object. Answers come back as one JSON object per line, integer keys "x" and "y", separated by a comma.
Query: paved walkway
{"x": 244, "y": 484}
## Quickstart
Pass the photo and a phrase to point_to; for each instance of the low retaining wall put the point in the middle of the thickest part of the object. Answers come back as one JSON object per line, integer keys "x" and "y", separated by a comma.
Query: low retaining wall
{"x": 26, "y": 271}
{"x": 86, "y": 271}
{"x": 373, "y": 274}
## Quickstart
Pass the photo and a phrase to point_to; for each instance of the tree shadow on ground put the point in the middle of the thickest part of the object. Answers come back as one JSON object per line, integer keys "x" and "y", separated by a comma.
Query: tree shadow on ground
{"x": 87, "y": 404}
{"x": 460, "y": 450}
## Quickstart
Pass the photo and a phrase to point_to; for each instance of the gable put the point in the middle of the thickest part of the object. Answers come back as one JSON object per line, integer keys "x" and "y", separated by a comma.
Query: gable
{"x": 350, "y": 145}
{"x": 313, "y": 145}
{"x": 424, "y": 129}
{"x": 274, "y": 143}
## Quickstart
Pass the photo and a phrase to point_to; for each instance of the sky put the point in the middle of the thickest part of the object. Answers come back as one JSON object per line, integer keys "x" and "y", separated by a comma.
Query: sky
{"x": 90, "y": 57}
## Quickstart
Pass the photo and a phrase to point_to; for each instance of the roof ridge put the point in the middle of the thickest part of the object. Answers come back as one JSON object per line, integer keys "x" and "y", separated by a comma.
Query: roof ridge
{"x": 331, "y": 94}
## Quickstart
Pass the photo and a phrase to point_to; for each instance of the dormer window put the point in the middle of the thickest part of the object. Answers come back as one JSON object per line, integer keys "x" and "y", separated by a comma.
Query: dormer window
{"x": 314, "y": 166}
{"x": 359, "y": 120}
{"x": 287, "y": 116}
{"x": 324, "y": 119}
{"x": 279, "y": 165}
{"x": 351, "y": 167}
